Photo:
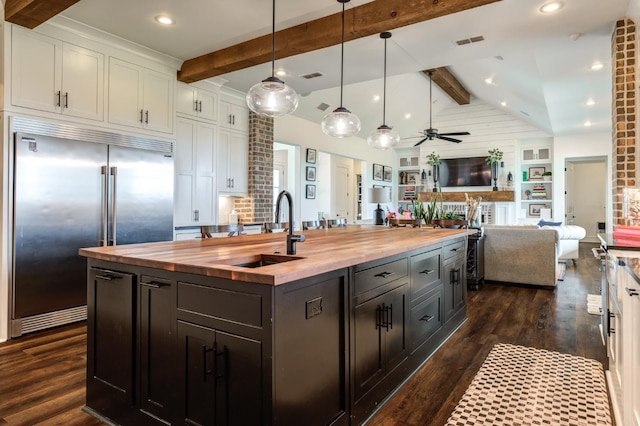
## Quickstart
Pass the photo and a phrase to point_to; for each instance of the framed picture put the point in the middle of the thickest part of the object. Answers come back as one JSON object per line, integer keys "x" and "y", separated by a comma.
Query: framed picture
{"x": 534, "y": 209}
{"x": 377, "y": 172}
{"x": 311, "y": 192}
{"x": 311, "y": 173}
{"x": 311, "y": 156}
{"x": 386, "y": 171}
{"x": 413, "y": 178}
{"x": 536, "y": 172}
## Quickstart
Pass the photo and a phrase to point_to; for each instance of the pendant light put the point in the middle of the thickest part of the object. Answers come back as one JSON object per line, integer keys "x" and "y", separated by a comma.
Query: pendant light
{"x": 341, "y": 123}
{"x": 271, "y": 97}
{"x": 384, "y": 137}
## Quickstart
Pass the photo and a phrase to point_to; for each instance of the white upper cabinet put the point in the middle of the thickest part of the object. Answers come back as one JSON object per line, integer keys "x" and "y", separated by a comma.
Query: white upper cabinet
{"x": 232, "y": 164}
{"x": 536, "y": 154}
{"x": 54, "y": 76}
{"x": 140, "y": 97}
{"x": 234, "y": 115}
{"x": 195, "y": 102}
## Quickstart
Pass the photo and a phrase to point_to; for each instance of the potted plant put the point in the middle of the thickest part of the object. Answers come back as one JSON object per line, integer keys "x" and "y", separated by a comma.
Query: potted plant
{"x": 433, "y": 160}
{"x": 546, "y": 176}
{"x": 494, "y": 158}
{"x": 418, "y": 212}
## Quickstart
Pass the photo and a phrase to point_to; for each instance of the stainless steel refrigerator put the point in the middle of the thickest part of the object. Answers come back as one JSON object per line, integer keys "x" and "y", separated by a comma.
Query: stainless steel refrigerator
{"x": 77, "y": 188}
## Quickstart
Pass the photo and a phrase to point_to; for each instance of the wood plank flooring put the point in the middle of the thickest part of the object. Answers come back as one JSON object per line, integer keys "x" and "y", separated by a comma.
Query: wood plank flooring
{"x": 42, "y": 375}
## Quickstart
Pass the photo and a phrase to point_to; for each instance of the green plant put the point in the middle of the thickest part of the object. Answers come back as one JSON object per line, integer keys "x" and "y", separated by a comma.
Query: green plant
{"x": 418, "y": 211}
{"x": 450, "y": 216}
{"x": 546, "y": 173}
{"x": 433, "y": 159}
{"x": 495, "y": 155}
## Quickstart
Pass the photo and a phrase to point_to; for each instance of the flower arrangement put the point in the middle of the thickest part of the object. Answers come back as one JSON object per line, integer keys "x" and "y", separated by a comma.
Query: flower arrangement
{"x": 495, "y": 155}
{"x": 433, "y": 159}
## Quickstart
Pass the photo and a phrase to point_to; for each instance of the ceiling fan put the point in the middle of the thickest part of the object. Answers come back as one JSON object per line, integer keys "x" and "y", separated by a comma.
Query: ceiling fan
{"x": 431, "y": 133}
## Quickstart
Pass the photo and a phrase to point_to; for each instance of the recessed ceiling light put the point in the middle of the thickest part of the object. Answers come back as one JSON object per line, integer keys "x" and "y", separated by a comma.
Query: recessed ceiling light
{"x": 164, "y": 20}
{"x": 503, "y": 103}
{"x": 551, "y": 7}
{"x": 488, "y": 80}
{"x": 590, "y": 102}
{"x": 281, "y": 73}
{"x": 407, "y": 116}
{"x": 587, "y": 123}
{"x": 376, "y": 98}
{"x": 597, "y": 66}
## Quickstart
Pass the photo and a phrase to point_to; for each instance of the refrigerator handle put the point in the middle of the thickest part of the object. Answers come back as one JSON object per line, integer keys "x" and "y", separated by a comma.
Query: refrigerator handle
{"x": 105, "y": 192}
{"x": 114, "y": 206}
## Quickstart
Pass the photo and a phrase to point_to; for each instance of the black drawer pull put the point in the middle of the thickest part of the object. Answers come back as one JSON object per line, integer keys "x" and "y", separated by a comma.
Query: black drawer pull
{"x": 454, "y": 249}
{"x": 428, "y": 271}
{"x": 427, "y": 318}
{"x": 384, "y": 274}
{"x": 632, "y": 291}
{"x": 155, "y": 284}
{"x": 108, "y": 277}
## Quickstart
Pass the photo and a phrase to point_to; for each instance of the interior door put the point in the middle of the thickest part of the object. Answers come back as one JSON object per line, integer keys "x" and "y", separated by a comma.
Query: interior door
{"x": 341, "y": 190}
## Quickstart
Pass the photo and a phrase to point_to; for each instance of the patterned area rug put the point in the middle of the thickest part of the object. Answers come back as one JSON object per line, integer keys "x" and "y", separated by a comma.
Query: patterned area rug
{"x": 517, "y": 385}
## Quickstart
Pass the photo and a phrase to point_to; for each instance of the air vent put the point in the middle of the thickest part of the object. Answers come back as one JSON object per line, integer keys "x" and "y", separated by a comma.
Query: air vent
{"x": 323, "y": 106}
{"x": 312, "y": 75}
{"x": 469, "y": 40}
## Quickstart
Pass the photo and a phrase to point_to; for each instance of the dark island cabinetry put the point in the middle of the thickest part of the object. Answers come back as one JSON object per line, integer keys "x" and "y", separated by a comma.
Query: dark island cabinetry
{"x": 167, "y": 347}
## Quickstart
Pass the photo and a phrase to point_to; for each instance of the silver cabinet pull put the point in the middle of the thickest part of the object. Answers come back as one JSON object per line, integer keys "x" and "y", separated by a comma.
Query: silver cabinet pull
{"x": 632, "y": 292}
{"x": 384, "y": 274}
{"x": 428, "y": 271}
{"x": 114, "y": 205}
{"x": 105, "y": 212}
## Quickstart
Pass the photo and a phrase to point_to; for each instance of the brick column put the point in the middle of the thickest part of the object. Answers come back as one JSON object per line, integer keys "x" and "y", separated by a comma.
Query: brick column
{"x": 258, "y": 205}
{"x": 624, "y": 159}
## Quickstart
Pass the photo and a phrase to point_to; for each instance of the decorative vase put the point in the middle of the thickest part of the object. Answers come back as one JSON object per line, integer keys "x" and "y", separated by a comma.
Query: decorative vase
{"x": 450, "y": 223}
{"x": 494, "y": 175}
{"x": 436, "y": 176}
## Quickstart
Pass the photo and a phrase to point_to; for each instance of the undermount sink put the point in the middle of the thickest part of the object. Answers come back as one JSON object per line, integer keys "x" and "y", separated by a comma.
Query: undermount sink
{"x": 264, "y": 260}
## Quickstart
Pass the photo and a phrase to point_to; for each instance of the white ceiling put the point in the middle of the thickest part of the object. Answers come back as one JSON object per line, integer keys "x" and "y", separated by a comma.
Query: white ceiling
{"x": 541, "y": 73}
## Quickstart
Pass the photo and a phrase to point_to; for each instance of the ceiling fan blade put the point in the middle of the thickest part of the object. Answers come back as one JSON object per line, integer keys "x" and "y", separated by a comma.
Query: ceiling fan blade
{"x": 448, "y": 139}
{"x": 456, "y": 134}
{"x": 410, "y": 137}
{"x": 421, "y": 141}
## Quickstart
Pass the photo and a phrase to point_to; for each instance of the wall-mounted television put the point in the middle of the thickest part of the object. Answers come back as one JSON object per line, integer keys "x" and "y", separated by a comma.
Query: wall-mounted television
{"x": 472, "y": 171}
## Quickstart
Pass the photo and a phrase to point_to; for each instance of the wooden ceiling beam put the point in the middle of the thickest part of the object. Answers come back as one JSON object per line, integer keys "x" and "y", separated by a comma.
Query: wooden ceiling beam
{"x": 361, "y": 21}
{"x": 450, "y": 84}
{"x": 31, "y": 13}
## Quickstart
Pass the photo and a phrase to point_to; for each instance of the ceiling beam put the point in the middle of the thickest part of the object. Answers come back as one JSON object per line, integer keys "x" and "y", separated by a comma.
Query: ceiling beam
{"x": 31, "y": 13}
{"x": 450, "y": 84}
{"x": 361, "y": 21}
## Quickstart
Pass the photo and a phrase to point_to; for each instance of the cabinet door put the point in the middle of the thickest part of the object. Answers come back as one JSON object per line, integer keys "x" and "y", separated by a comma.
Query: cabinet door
{"x": 232, "y": 163}
{"x": 395, "y": 336}
{"x": 536, "y": 154}
{"x": 158, "y": 101}
{"x": 110, "y": 321}
{"x": 125, "y": 93}
{"x": 186, "y": 99}
{"x": 35, "y": 70}
{"x": 368, "y": 362}
{"x": 206, "y": 200}
{"x": 185, "y": 212}
{"x": 455, "y": 285}
{"x": 157, "y": 343}
{"x": 631, "y": 348}
{"x": 82, "y": 82}
{"x": 234, "y": 115}
{"x": 208, "y": 105}
{"x": 222, "y": 383}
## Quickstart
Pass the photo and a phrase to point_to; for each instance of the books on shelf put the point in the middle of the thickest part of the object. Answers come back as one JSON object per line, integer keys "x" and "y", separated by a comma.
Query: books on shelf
{"x": 410, "y": 193}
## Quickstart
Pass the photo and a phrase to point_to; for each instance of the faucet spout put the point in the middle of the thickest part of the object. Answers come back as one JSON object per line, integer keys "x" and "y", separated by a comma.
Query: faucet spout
{"x": 291, "y": 239}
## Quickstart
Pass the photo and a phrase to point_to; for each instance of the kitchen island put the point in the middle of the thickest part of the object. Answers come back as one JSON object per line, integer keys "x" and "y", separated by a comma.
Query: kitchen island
{"x": 232, "y": 331}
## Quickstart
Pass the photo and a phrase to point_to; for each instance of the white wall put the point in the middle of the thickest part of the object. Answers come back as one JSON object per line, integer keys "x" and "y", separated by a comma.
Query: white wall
{"x": 297, "y": 131}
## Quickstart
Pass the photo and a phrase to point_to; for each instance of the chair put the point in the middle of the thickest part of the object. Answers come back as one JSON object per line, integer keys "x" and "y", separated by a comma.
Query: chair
{"x": 312, "y": 224}
{"x": 337, "y": 223}
{"x": 230, "y": 230}
{"x": 270, "y": 227}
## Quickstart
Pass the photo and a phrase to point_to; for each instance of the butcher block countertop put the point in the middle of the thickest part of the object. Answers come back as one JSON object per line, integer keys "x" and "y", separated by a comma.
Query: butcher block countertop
{"x": 323, "y": 251}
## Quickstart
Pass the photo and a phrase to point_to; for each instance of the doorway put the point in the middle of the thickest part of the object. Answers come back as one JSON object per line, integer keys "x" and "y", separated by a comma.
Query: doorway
{"x": 585, "y": 195}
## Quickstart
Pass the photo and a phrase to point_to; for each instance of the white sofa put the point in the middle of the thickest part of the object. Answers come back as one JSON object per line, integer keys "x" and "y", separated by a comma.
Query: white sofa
{"x": 528, "y": 254}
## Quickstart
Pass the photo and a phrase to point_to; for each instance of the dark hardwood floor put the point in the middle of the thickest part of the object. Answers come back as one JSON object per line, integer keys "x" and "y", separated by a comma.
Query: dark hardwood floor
{"x": 42, "y": 375}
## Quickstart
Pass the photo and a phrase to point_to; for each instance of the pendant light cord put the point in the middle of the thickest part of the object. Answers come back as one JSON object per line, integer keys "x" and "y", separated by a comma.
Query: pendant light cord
{"x": 430, "y": 98}
{"x": 342, "y": 58}
{"x": 273, "y": 39}
{"x": 384, "y": 86}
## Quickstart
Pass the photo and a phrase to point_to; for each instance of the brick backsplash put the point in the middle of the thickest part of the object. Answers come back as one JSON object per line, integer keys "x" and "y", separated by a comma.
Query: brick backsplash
{"x": 258, "y": 205}
{"x": 624, "y": 160}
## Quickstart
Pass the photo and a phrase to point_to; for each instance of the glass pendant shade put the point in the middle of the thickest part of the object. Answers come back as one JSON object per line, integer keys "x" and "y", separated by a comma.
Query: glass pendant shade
{"x": 272, "y": 98}
{"x": 384, "y": 137}
{"x": 341, "y": 123}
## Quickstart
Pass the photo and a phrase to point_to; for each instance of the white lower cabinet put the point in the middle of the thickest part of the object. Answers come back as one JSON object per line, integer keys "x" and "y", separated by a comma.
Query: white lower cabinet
{"x": 233, "y": 151}
{"x": 195, "y": 173}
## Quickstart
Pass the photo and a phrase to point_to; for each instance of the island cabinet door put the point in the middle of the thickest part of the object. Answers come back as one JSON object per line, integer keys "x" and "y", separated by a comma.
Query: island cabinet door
{"x": 394, "y": 312}
{"x": 110, "y": 342}
{"x": 157, "y": 340}
{"x": 222, "y": 380}
{"x": 455, "y": 285}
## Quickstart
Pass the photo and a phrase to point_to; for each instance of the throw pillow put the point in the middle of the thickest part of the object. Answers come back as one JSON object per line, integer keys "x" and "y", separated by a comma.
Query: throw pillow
{"x": 545, "y": 223}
